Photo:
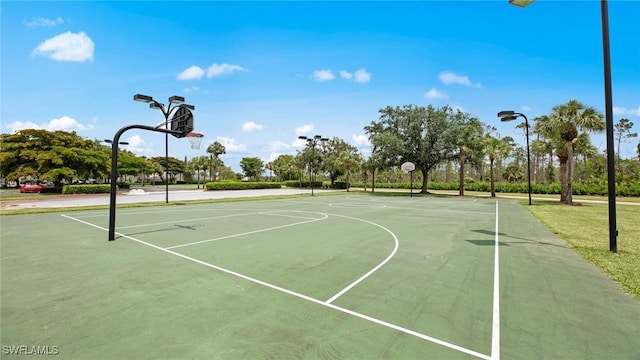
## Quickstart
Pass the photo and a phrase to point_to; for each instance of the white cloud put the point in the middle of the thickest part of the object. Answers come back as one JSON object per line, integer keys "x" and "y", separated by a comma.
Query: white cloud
{"x": 276, "y": 146}
{"x": 231, "y": 145}
{"x": 68, "y": 46}
{"x": 44, "y": 22}
{"x": 137, "y": 145}
{"x": 299, "y": 143}
{"x": 620, "y": 111}
{"x": 304, "y": 129}
{"x": 191, "y": 73}
{"x": 21, "y": 125}
{"x": 346, "y": 75}
{"x": 223, "y": 69}
{"x": 251, "y": 126}
{"x": 435, "y": 94}
{"x": 65, "y": 123}
{"x": 362, "y": 76}
{"x": 361, "y": 140}
{"x": 323, "y": 75}
{"x": 449, "y": 78}
{"x": 273, "y": 156}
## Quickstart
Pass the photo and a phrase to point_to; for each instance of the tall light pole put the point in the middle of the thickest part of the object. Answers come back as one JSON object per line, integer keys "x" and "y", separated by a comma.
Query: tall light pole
{"x": 608, "y": 103}
{"x": 509, "y": 115}
{"x": 312, "y": 142}
{"x": 175, "y": 102}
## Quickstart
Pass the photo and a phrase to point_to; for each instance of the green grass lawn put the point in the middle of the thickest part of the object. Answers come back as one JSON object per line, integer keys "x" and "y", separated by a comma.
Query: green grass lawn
{"x": 585, "y": 228}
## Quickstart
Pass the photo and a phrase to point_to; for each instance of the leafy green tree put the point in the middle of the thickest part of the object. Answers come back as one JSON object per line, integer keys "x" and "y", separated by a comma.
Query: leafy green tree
{"x": 582, "y": 146}
{"x": 564, "y": 123}
{"x": 424, "y": 136}
{"x": 495, "y": 149}
{"x": 199, "y": 164}
{"x": 252, "y": 167}
{"x": 623, "y": 132}
{"x": 284, "y": 167}
{"x": 348, "y": 162}
{"x": 382, "y": 146}
{"x": 130, "y": 164}
{"x": 51, "y": 155}
{"x": 215, "y": 150}
{"x": 175, "y": 166}
{"x": 468, "y": 137}
{"x": 330, "y": 153}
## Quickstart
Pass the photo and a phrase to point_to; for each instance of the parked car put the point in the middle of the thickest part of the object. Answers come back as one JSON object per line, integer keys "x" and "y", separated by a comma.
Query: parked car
{"x": 34, "y": 188}
{"x": 47, "y": 184}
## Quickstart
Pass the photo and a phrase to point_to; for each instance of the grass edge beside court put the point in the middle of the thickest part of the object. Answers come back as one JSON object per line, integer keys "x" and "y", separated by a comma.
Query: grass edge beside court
{"x": 588, "y": 238}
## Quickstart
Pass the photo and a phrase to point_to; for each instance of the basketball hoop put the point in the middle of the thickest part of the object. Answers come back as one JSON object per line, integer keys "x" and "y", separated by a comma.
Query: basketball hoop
{"x": 195, "y": 139}
{"x": 408, "y": 167}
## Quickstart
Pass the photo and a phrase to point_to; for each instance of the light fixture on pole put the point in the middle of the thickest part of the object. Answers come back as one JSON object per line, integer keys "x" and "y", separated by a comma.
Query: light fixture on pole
{"x": 312, "y": 142}
{"x": 509, "y": 115}
{"x": 608, "y": 104}
{"x": 175, "y": 103}
{"x": 109, "y": 141}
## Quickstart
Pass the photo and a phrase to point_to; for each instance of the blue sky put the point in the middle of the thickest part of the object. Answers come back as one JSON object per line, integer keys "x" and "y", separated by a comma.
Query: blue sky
{"x": 262, "y": 73}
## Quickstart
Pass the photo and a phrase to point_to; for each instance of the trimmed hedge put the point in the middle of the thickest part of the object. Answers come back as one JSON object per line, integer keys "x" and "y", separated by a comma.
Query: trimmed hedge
{"x": 86, "y": 189}
{"x": 554, "y": 188}
{"x": 302, "y": 184}
{"x": 241, "y": 185}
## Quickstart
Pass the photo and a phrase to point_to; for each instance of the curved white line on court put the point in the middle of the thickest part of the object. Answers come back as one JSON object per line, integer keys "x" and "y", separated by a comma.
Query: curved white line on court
{"x": 301, "y": 296}
{"x": 353, "y": 284}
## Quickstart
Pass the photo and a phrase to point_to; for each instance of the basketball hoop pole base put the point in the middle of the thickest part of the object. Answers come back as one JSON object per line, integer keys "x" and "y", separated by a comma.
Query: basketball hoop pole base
{"x": 114, "y": 170}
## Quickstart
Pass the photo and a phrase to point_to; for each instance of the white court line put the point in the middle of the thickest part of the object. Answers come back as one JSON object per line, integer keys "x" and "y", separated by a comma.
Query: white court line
{"x": 246, "y": 233}
{"x": 495, "y": 328}
{"x": 285, "y": 215}
{"x": 298, "y": 295}
{"x": 395, "y": 249}
{"x": 185, "y": 220}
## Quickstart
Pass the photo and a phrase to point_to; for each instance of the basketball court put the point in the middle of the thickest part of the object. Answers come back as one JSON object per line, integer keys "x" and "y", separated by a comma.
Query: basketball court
{"x": 329, "y": 277}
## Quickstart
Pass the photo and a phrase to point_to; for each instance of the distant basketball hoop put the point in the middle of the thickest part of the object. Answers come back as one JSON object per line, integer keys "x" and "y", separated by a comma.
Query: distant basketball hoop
{"x": 195, "y": 139}
{"x": 408, "y": 167}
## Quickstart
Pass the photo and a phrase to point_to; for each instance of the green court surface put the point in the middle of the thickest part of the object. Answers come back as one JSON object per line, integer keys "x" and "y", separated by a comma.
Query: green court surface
{"x": 329, "y": 277}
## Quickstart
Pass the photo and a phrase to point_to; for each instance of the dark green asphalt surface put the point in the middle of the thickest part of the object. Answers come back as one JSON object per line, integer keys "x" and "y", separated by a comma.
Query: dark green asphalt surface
{"x": 64, "y": 285}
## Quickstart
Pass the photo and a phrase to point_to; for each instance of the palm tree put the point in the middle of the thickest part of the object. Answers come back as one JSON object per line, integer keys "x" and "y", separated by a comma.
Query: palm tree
{"x": 495, "y": 148}
{"x": 156, "y": 168}
{"x": 348, "y": 162}
{"x": 199, "y": 164}
{"x": 469, "y": 142}
{"x": 216, "y": 149}
{"x": 563, "y": 123}
{"x": 582, "y": 146}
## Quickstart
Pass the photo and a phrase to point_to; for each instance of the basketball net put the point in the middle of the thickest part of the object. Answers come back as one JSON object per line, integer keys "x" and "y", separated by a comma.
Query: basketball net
{"x": 195, "y": 139}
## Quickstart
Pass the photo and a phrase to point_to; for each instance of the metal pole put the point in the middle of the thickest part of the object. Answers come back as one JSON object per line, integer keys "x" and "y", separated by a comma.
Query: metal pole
{"x": 114, "y": 178}
{"x": 114, "y": 171}
{"x": 611, "y": 175}
{"x": 526, "y": 124}
{"x": 166, "y": 156}
{"x": 313, "y": 155}
{"x": 411, "y": 185}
